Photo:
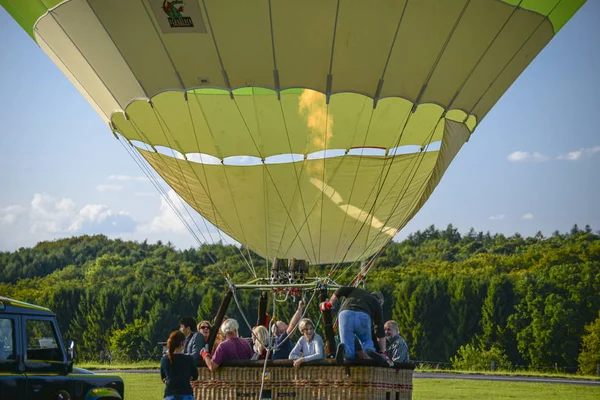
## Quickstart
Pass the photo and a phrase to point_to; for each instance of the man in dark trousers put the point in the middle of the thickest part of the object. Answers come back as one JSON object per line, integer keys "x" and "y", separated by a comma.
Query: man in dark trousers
{"x": 194, "y": 340}
{"x": 358, "y": 312}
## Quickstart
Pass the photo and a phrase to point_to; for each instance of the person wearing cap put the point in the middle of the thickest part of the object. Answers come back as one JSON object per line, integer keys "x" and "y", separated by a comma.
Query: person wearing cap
{"x": 358, "y": 313}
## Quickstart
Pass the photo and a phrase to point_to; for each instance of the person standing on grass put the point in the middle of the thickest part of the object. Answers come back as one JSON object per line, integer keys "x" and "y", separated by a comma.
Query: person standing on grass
{"x": 194, "y": 340}
{"x": 177, "y": 370}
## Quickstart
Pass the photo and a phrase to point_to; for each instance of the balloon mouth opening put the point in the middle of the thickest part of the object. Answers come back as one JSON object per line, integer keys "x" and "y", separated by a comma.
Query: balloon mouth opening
{"x": 247, "y": 160}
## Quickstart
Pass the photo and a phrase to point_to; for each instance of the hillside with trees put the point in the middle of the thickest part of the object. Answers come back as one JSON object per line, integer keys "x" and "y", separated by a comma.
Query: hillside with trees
{"x": 458, "y": 298}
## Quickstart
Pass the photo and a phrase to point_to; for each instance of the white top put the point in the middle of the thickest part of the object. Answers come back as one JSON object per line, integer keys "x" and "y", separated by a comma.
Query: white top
{"x": 312, "y": 350}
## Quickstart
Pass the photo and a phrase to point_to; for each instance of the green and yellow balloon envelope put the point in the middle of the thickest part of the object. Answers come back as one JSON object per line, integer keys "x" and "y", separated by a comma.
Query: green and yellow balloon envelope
{"x": 264, "y": 79}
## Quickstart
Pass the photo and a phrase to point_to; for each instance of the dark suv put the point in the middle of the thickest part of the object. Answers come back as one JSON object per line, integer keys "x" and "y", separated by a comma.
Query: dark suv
{"x": 34, "y": 363}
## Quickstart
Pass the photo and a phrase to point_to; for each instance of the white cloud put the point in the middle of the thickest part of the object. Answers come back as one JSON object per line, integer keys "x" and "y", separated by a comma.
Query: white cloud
{"x": 524, "y": 156}
{"x": 167, "y": 220}
{"x": 97, "y": 218}
{"x": 106, "y": 188}
{"x": 46, "y": 217}
{"x": 128, "y": 178}
{"x": 579, "y": 154}
{"x": 10, "y": 214}
{"x": 49, "y": 215}
{"x": 497, "y": 217}
{"x": 528, "y": 216}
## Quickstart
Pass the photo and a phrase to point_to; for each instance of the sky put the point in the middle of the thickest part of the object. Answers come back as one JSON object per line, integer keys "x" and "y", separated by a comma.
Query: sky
{"x": 532, "y": 164}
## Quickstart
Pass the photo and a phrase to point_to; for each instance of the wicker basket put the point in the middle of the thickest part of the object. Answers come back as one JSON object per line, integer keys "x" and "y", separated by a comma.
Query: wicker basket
{"x": 314, "y": 381}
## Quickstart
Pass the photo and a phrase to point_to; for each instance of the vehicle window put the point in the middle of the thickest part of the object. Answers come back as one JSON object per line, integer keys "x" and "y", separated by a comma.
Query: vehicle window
{"x": 7, "y": 339}
{"x": 42, "y": 341}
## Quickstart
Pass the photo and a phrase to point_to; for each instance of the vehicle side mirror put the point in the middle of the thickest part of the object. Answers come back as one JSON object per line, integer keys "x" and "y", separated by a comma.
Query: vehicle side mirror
{"x": 71, "y": 352}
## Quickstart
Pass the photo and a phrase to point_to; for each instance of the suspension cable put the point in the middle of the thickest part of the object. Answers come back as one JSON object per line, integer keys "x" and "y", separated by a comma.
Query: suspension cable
{"x": 145, "y": 170}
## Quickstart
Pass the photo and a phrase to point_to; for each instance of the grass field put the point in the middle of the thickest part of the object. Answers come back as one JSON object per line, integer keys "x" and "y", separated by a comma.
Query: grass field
{"x": 513, "y": 373}
{"x": 155, "y": 365}
{"x": 454, "y": 389}
{"x": 149, "y": 387}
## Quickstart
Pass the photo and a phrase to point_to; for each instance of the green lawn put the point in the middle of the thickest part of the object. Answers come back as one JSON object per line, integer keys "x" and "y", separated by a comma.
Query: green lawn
{"x": 149, "y": 387}
{"x": 143, "y": 386}
{"x": 513, "y": 373}
{"x": 131, "y": 365}
{"x": 451, "y": 389}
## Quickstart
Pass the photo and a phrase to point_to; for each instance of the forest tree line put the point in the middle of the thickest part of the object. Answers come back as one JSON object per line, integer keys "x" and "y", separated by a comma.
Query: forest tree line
{"x": 526, "y": 301}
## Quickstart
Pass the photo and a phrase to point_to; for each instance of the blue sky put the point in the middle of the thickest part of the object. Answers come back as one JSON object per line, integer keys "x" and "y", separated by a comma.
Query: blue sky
{"x": 532, "y": 165}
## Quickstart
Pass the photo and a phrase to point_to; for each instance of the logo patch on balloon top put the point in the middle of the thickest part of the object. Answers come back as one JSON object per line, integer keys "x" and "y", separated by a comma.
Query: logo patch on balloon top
{"x": 178, "y": 16}
{"x": 174, "y": 9}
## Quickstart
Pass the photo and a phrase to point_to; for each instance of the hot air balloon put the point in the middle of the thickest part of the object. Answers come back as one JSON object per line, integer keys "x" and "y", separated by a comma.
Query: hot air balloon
{"x": 348, "y": 112}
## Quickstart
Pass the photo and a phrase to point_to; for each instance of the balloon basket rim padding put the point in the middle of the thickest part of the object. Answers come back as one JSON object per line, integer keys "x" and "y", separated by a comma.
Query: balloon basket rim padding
{"x": 321, "y": 379}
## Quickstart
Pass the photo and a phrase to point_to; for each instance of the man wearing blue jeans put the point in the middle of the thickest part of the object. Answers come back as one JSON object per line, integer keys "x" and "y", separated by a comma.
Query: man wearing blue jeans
{"x": 358, "y": 312}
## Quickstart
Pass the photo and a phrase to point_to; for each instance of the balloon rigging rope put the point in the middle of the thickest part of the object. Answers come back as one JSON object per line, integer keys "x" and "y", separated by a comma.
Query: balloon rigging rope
{"x": 394, "y": 41}
{"x": 354, "y": 181}
{"x": 160, "y": 119}
{"x": 163, "y": 193}
{"x": 456, "y": 94}
{"x": 383, "y": 178}
{"x": 166, "y": 196}
{"x": 269, "y": 346}
{"x": 207, "y": 189}
{"x": 266, "y": 214}
{"x": 150, "y": 176}
{"x": 399, "y": 199}
{"x": 483, "y": 54}
{"x": 305, "y": 222}
{"x": 273, "y": 42}
{"x": 323, "y": 168}
{"x": 512, "y": 58}
{"x": 252, "y": 271}
{"x": 269, "y": 173}
{"x": 314, "y": 206}
{"x": 287, "y": 133}
{"x": 144, "y": 168}
{"x": 465, "y": 80}
{"x": 330, "y": 179}
{"x": 249, "y": 266}
{"x": 434, "y": 66}
{"x": 420, "y": 157}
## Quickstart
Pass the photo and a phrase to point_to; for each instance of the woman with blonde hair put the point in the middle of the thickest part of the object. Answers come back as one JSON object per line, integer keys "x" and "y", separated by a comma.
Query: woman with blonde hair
{"x": 177, "y": 369}
{"x": 309, "y": 346}
{"x": 260, "y": 337}
{"x": 204, "y": 328}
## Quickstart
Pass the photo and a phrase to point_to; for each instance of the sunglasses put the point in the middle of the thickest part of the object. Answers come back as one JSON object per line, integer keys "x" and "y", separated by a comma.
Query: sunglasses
{"x": 205, "y": 327}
